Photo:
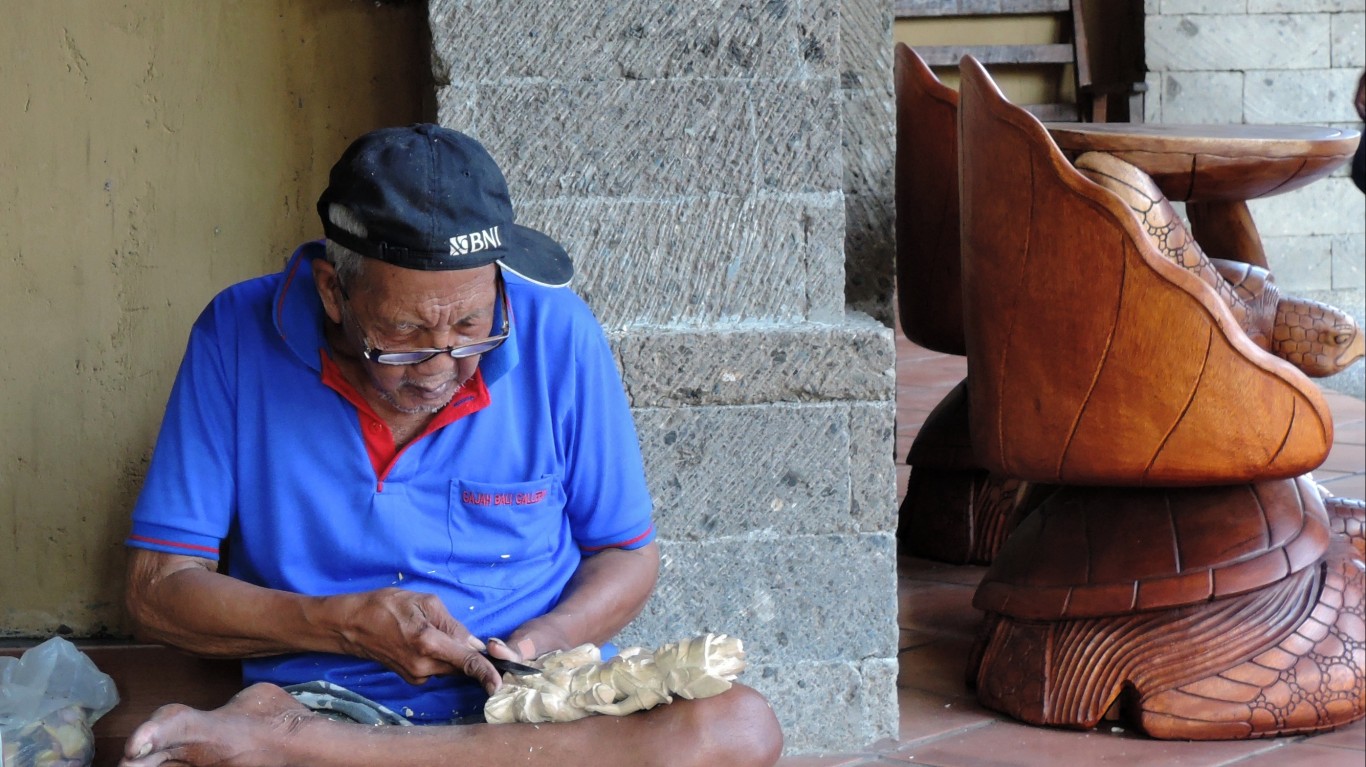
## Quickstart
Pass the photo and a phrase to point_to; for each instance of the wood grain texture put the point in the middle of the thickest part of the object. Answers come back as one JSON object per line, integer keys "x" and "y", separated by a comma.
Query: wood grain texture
{"x": 1090, "y": 552}
{"x": 1093, "y": 359}
{"x": 954, "y": 510}
{"x": 1318, "y": 339}
{"x": 1286, "y": 659}
{"x": 929, "y": 283}
{"x": 1216, "y": 162}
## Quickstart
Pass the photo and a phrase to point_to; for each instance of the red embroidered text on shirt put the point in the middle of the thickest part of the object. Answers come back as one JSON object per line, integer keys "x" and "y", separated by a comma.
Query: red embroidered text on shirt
{"x": 502, "y": 499}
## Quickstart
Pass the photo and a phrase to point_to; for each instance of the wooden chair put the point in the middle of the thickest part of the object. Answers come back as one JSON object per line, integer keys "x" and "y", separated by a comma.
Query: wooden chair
{"x": 953, "y": 510}
{"x": 1093, "y": 359}
{"x": 1185, "y": 562}
{"x": 929, "y": 283}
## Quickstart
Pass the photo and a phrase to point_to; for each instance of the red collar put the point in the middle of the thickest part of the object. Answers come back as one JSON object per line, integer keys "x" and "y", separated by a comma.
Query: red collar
{"x": 471, "y": 397}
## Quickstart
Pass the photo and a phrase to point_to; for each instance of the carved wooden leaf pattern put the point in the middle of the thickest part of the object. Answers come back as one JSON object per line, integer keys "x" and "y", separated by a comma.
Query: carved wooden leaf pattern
{"x": 1092, "y": 359}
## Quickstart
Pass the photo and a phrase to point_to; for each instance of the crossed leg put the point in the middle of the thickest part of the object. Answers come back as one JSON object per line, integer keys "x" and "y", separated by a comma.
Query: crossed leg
{"x": 263, "y": 726}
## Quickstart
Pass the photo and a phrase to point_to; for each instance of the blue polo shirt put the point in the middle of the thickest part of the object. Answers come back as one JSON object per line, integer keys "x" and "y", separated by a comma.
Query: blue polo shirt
{"x": 533, "y": 465}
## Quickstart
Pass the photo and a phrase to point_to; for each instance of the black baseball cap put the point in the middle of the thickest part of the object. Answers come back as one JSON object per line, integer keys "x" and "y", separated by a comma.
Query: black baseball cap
{"x": 432, "y": 198}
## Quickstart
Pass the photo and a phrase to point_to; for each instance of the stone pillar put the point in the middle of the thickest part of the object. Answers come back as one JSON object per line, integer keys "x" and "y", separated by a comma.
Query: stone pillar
{"x": 693, "y": 157}
{"x": 1275, "y": 61}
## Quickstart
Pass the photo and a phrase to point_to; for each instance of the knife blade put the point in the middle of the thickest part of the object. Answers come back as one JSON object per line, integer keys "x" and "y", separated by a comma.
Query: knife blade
{"x": 510, "y": 666}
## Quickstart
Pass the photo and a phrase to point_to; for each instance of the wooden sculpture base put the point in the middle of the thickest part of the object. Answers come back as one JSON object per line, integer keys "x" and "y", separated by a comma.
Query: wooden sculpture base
{"x": 1241, "y": 614}
{"x": 959, "y": 517}
{"x": 954, "y": 510}
{"x": 1347, "y": 518}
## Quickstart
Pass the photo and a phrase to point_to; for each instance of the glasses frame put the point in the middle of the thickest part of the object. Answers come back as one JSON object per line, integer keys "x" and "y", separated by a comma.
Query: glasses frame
{"x": 460, "y": 351}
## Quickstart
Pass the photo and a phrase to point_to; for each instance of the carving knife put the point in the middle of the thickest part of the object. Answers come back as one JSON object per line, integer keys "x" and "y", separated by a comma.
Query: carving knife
{"x": 511, "y": 667}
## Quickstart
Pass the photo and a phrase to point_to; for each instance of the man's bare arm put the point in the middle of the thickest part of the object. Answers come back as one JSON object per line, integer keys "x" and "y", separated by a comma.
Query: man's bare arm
{"x": 608, "y": 590}
{"x": 184, "y": 602}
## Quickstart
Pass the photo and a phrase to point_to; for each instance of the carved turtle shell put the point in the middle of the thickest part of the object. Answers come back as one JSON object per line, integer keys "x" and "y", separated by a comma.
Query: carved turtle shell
{"x": 1091, "y": 552}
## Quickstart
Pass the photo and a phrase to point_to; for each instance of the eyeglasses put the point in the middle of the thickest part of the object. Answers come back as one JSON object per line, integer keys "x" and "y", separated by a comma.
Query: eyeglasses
{"x": 418, "y": 356}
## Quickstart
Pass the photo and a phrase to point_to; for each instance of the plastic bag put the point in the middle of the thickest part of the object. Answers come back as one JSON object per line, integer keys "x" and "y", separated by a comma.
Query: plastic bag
{"x": 49, "y": 698}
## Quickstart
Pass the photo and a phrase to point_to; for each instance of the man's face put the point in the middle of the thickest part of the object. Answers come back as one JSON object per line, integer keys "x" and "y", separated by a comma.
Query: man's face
{"x": 395, "y": 309}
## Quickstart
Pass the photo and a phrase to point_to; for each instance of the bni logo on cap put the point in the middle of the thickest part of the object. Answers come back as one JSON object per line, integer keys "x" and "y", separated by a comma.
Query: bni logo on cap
{"x": 464, "y": 244}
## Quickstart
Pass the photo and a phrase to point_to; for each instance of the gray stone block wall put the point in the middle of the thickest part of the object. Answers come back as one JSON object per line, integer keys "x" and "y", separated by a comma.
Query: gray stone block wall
{"x": 869, "y": 155}
{"x": 1275, "y": 61}
{"x": 721, "y": 173}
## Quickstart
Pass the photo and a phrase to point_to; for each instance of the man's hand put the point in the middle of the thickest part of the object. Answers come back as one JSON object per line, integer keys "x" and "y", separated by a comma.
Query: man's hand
{"x": 533, "y": 639}
{"x": 411, "y": 633}
{"x": 607, "y": 591}
{"x": 182, "y": 601}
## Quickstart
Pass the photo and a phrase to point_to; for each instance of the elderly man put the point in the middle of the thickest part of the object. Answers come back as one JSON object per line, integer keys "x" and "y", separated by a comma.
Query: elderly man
{"x": 413, "y": 448}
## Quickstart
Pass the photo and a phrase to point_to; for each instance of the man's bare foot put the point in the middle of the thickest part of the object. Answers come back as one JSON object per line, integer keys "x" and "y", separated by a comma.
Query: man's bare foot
{"x": 263, "y": 726}
{"x": 231, "y": 736}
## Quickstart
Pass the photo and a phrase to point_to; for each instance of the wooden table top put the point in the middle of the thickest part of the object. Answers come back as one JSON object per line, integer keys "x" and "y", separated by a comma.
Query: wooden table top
{"x": 1216, "y": 162}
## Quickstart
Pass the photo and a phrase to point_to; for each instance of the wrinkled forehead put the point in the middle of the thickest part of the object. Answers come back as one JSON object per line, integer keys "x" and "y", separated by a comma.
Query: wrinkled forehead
{"x": 394, "y": 290}
{"x": 383, "y": 279}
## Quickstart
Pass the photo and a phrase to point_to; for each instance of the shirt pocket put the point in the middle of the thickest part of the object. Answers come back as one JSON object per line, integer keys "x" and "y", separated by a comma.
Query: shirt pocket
{"x": 505, "y": 534}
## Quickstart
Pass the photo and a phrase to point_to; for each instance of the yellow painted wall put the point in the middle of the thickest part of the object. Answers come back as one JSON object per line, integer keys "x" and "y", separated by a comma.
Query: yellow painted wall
{"x": 1022, "y": 85}
{"x": 1114, "y": 27}
{"x": 151, "y": 153}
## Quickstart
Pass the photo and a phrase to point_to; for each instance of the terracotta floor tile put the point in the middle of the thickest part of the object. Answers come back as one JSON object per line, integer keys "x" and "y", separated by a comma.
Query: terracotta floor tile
{"x": 938, "y": 608}
{"x": 936, "y": 380}
{"x": 1345, "y": 485}
{"x": 1352, "y": 736}
{"x": 925, "y": 715}
{"x": 937, "y": 667}
{"x": 911, "y": 638}
{"x": 1350, "y": 458}
{"x": 1008, "y": 744}
{"x": 917, "y": 569}
{"x": 1348, "y": 431}
{"x": 909, "y": 352}
{"x": 1294, "y": 754}
{"x": 1345, "y": 407}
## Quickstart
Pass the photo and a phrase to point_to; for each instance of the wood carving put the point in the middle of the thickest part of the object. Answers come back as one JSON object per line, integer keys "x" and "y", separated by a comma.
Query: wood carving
{"x": 578, "y": 683}
{"x": 1062, "y": 277}
{"x": 1318, "y": 339}
{"x": 929, "y": 285}
{"x": 1228, "y": 231}
{"x": 1270, "y": 662}
{"x": 1347, "y": 519}
{"x": 1093, "y": 552}
{"x": 954, "y": 510}
{"x": 1186, "y": 571}
{"x": 1216, "y": 169}
{"x": 1218, "y": 163}
{"x": 1178, "y": 599}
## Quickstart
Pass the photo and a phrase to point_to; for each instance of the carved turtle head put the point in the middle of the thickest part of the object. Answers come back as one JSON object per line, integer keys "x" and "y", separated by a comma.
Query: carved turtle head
{"x": 1319, "y": 339}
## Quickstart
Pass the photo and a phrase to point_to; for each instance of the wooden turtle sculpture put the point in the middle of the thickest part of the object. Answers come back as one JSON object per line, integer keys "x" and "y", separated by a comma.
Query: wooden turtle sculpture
{"x": 1093, "y": 358}
{"x": 1347, "y": 519}
{"x": 954, "y": 510}
{"x": 1212, "y": 613}
{"x": 1318, "y": 339}
{"x": 1186, "y": 570}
